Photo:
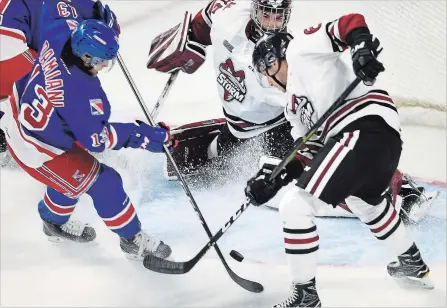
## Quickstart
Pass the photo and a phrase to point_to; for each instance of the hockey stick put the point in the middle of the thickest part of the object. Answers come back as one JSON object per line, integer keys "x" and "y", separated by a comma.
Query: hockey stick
{"x": 165, "y": 266}
{"x": 244, "y": 283}
{"x": 164, "y": 94}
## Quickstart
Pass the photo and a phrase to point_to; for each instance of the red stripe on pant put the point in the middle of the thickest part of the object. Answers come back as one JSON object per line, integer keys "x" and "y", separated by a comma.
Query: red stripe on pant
{"x": 121, "y": 219}
{"x": 57, "y": 209}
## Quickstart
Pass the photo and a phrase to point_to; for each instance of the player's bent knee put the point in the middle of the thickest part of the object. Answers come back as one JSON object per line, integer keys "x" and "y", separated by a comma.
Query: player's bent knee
{"x": 108, "y": 182}
{"x": 365, "y": 210}
{"x": 297, "y": 208}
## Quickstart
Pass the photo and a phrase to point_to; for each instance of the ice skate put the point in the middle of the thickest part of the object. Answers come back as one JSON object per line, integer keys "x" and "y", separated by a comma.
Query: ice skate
{"x": 416, "y": 202}
{"x": 410, "y": 269}
{"x": 74, "y": 231}
{"x": 304, "y": 295}
{"x": 142, "y": 245}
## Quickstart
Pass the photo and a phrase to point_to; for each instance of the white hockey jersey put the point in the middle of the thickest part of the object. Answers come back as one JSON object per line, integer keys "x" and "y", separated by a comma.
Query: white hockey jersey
{"x": 319, "y": 70}
{"x": 250, "y": 109}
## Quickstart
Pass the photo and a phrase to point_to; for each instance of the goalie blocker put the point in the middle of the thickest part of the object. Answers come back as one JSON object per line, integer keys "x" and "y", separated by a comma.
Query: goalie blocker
{"x": 174, "y": 50}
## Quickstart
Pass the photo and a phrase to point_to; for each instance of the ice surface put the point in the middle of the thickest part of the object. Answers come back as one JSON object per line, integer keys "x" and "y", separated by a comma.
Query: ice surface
{"x": 35, "y": 272}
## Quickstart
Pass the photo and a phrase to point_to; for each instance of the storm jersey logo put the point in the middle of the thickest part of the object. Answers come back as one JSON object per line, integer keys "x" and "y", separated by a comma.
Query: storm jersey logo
{"x": 305, "y": 108}
{"x": 232, "y": 81}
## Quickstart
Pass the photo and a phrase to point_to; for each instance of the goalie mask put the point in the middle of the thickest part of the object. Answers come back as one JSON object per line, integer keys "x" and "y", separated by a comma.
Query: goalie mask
{"x": 271, "y": 15}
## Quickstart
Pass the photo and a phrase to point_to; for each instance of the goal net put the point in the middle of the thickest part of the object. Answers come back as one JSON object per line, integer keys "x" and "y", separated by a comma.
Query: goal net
{"x": 413, "y": 35}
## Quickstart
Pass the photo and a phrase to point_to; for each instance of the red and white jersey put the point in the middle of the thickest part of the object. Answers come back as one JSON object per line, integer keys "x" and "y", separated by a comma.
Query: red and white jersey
{"x": 319, "y": 70}
{"x": 249, "y": 108}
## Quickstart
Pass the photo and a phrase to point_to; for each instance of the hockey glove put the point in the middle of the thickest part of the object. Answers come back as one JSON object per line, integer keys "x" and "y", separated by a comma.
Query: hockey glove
{"x": 259, "y": 190}
{"x": 364, "y": 51}
{"x": 173, "y": 50}
{"x": 150, "y": 138}
{"x": 106, "y": 15}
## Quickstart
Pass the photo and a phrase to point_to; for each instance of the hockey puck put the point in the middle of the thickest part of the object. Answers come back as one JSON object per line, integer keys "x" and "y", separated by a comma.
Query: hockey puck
{"x": 236, "y": 255}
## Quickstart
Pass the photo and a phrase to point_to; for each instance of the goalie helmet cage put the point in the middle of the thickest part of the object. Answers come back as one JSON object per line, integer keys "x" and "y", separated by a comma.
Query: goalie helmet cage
{"x": 413, "y": 37}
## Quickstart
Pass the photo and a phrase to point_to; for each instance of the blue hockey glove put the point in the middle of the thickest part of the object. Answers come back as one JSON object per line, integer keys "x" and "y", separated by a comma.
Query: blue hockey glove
{"x": 106, "y": 15}
{"x": 150, "y": 138}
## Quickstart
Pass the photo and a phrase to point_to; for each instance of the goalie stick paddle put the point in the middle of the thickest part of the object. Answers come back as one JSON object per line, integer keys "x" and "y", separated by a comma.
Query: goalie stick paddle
{"x": 248, "y": 285}
{"x": 164, "y": 94}
{"x": 171, "y": 267}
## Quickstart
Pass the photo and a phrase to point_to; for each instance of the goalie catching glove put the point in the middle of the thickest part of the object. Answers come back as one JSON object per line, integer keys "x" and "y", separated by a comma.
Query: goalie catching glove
{"x": 174, "y": 49}
{"x": 260, "y": 190}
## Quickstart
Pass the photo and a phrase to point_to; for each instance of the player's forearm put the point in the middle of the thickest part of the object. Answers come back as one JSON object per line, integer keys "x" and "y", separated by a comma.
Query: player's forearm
{"x": 201, "y": 25}
{"x": 120, "y": 134}
{"x": 99, "y": 137}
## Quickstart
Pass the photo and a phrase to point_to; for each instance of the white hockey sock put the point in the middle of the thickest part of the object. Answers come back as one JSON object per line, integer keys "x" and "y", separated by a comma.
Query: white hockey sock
{"x": 302, "y": 252}
{"x": 384, "y": 222}
{"x": 301, "y": 239}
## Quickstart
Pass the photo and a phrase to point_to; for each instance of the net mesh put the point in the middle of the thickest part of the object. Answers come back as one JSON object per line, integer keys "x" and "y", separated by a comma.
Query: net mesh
{"x": 413, "y": 35}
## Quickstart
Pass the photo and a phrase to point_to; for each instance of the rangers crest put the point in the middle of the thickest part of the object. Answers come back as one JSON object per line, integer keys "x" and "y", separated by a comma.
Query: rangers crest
{"x": 96, "y": 107}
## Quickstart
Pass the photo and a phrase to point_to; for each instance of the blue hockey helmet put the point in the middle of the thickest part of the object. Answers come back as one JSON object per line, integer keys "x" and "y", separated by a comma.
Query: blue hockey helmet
{"x": 95, "y": 43}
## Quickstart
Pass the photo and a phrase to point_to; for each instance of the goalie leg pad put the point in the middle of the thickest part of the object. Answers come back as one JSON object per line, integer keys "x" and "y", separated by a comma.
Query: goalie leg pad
{"x": 193, "y": 141}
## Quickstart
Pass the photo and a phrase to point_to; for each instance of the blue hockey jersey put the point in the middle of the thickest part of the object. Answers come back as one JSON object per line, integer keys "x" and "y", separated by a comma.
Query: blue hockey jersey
{"x": 24, "y": 15}
{"x": 58, "y": 103}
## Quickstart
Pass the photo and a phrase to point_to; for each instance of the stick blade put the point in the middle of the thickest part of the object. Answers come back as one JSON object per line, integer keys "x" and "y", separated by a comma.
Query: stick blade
{"x": 251, "y": 286}
{"x": 164, "y": 266}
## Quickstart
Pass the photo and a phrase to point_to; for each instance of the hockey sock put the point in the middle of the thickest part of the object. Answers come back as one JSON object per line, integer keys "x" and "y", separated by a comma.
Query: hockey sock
{"x": 55, "y": 207}
{"x": 384, "y": 222}
{"x": 113, "y": 205}
{"x": 300, "y": 234}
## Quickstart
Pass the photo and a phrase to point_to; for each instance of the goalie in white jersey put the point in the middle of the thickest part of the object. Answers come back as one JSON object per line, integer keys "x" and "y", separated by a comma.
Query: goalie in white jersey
{"x": 250, "y": 109}
{"x": 351, "y": 157}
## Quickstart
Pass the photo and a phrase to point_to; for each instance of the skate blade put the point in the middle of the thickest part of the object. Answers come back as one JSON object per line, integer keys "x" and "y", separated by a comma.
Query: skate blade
{"x": 419, "y": 211}
{"x": 63, "y": 241}
{"x": 133, "y": 257}
{"x": 410, "y": 282}
{"x": 138, "y": 258}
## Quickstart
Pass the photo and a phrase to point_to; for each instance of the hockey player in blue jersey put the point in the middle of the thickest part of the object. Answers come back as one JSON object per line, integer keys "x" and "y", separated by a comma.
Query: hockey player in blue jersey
{"x": 20, "y": 34}
{"x": 59, "y": 112}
